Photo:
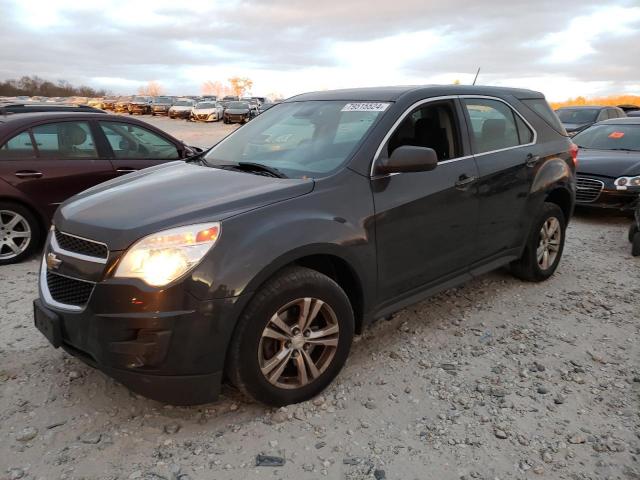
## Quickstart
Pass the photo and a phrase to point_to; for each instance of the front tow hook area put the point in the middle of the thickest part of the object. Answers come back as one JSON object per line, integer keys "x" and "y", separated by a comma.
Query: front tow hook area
{"x": 148, "y": 349}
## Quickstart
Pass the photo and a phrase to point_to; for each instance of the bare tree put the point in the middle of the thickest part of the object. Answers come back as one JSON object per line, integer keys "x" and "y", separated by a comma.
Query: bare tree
{"x": 240, "y": 85}
{"x": 152, "y": 89}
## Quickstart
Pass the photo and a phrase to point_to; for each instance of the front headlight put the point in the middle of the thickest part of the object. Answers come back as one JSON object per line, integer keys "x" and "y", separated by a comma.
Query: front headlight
{"x": 624, "y": 183}
{"x": 162, "y": 257}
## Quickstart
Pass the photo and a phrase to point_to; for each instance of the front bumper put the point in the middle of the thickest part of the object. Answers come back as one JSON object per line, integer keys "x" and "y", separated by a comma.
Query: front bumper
{"x": 160, "y": 110}
{"x": 139, "y": 108}
{"x": 165, "y": 344}
{"x": 598, "y": 191}
{"x": 180, "y": 113}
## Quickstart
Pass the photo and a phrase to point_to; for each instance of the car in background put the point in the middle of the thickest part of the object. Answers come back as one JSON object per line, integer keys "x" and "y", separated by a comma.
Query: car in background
{"x": 140, "y": 104}
{"x": 576, "y": 119}
{"x": 109, "y": 103}
{"x": 181, "y": 108}
{"x": 261, "y": 261}
{"x": 633, "y": 113}
{"x": 230, "y": 98}
{"x": 608, "y": 173}
{"x": 96, "y": 103}
{"x": 263, "y": 107}
{"x": 47, "y": 157}
{"x": 239, "y": 112}
{"x": 122, "y": 105}
{"x": 161, "y": 105}
{"x": 207, "y": 112}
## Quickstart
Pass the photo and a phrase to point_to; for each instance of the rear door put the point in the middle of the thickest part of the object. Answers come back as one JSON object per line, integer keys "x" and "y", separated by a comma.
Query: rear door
{"x": 132, "y": 147}
{"x": 65, "y": 161}
{"x": 506, "y": 155}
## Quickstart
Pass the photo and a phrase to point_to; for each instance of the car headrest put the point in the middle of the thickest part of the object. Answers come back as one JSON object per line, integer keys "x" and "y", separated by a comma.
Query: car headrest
{"x": 74, "y": 135}
{"x": 494, "y": 127}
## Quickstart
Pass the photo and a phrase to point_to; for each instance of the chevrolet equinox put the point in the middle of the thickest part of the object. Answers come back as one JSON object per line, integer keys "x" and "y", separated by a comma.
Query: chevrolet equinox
{"x": 258, "y": 261}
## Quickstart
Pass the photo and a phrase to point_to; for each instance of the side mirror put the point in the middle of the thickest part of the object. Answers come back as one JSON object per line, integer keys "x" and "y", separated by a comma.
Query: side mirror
{"x": 408, "y": 159}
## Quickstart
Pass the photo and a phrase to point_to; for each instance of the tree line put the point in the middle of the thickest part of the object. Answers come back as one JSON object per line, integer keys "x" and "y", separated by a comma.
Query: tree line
{"x": 36, "y": 86}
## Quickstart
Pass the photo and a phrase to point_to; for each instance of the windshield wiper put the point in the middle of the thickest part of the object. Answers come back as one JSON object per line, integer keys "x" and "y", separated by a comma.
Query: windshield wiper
{"x": 248, "y": 167}
{"x": 263, "y": 168}
{"x": 625, "y": 149}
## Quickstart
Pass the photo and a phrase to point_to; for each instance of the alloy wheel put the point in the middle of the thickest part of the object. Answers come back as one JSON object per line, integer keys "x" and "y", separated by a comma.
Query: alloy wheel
{"x": 549, "y": 243}
{"x": 299, "y": 343}
{"x": 15, "y": 234}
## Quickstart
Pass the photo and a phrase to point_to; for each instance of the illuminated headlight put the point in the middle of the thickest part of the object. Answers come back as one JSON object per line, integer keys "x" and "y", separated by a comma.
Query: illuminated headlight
{"x": 624, "y": 183}
{"x": 161, "y": 258}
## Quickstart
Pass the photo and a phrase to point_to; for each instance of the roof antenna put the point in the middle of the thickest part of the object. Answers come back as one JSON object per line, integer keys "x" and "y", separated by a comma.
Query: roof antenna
{"x": 476, "y": 78}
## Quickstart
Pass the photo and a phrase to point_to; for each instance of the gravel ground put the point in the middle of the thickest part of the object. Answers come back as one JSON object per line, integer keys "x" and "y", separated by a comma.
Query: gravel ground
{"x": 496, "y": 379}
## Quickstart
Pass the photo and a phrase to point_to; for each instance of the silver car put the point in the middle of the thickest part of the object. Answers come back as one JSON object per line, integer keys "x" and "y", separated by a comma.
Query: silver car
{"x": 207, "y": 112}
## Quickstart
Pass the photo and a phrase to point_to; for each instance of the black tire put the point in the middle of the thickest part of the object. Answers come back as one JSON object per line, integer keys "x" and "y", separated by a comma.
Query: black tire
{"x": 34, "y": 226}
{"x": 527, "y": 267}
{"x": 243, "y": 367}
{"x": 635, "y": 245}
{"x": 633, "y": 229}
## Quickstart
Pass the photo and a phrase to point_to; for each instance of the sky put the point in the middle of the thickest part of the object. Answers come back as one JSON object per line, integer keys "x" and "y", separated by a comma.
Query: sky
{"x": 561, "y": 48}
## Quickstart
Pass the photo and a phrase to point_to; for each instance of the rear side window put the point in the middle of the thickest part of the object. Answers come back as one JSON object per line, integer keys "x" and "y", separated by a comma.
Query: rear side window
{"x": 65, "y": 140}
{"x": 17, "y": 147}
{"x": 542, "y": 108}
{"x": 494, "y": 125}
{"x": 134, "y": 142}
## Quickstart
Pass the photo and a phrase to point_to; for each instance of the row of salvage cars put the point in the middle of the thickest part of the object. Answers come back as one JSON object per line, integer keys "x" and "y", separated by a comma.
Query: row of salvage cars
{"x": 206, "y": 109}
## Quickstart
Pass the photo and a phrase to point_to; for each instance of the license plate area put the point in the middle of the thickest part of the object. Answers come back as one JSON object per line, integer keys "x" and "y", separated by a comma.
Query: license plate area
{"x": 49, "y": 324}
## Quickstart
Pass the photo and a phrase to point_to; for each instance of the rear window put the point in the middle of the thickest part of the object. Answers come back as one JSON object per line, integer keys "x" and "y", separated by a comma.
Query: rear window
{"x": 543, "y": 110}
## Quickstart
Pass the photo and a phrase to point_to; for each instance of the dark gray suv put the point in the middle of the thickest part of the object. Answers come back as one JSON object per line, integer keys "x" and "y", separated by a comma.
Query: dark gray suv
{"x": 260, "y": 260}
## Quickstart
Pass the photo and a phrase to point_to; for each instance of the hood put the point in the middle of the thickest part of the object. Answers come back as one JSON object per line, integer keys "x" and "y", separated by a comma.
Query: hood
{"x": 237, "y": 111}
{"x": 608, "y": 163}
{"x": 125, "y": 209}
{"x": 205, "y": 110}
{"x": 181, "y": 108}
{"x": 575, "y": 127}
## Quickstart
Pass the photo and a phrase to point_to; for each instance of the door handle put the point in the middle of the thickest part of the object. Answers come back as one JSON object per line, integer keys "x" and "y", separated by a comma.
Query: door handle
{"x": 532, "y": 160}
{"x": 28, "y": 174}
{"x": 126, "y": 170}
{"x": 464, "y": 181}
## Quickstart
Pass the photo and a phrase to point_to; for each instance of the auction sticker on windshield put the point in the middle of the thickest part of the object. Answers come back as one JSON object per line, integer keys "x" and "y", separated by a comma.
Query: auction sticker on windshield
{"x": 365, "y": 107}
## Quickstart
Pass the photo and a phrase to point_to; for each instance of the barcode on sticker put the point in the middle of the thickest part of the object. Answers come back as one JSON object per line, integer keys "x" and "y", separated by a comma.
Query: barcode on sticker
{"x": 365, "y": 107}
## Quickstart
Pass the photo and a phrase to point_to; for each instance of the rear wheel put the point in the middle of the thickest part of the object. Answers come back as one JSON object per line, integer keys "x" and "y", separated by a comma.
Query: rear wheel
{"x": 293, "y": 338}
{"x": 544, "y": 246}
{"x": 633, "y": 229}
{"x": 20, "y": 233}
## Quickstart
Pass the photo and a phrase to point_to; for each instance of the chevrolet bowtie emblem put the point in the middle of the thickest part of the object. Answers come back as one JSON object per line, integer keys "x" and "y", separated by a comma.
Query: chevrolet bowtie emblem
{"x": 53, "y": 262}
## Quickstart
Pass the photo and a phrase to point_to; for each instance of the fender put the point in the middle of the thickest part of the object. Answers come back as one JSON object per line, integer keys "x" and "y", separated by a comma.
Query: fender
{"x": 9, "y": 193}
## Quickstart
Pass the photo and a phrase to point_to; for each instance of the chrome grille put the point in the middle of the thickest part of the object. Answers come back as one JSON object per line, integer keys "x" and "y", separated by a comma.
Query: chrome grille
{"x": 68, "y": 291}
{"x": 82, "y": 246}
{"x": 588, "y": 189}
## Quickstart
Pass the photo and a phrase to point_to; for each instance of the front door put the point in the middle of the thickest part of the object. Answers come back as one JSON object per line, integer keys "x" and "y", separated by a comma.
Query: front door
{"x": 426, "y": 221}
{"x": 134, "y": 147}
{"x": 64, "y": 162}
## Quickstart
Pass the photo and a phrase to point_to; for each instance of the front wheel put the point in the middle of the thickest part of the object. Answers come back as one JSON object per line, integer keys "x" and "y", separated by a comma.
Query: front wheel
{"x": 293, "y": 338}
{"x": 544, "y": 246}
{"x": 20, "y": 233}
{"x": 635, "y": 245}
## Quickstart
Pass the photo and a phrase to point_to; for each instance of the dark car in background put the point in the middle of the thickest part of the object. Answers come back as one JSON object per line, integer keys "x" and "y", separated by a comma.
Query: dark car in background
{"x": 48, "y": 157}
{"x": 161, "y": 105}
{"x": 239, "y": 112}
{"x": 109, "y": 103}
{"x": 608, "y": 173}
{"x": 259, "y": 262}
{"x": 263, "y": 107}
{"x": 576, "y": 119}
{"x": 140, "y": 104}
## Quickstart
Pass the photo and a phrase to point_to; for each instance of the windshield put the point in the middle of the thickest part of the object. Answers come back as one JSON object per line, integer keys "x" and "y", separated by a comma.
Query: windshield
{"x": 184, "y": 103}
{"x": 140, "y": 99}
{"x": 577, "y": 115}
{"x": 610, "y": 137}
{"x": 162, "y": 100}
{"x": 237, "y": 105}
{"x": 206, "y": 105}
{"x": 300, "y": 139}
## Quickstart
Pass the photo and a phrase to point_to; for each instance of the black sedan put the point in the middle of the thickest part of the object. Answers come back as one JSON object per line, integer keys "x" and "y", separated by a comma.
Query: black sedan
{"x": 576, "y": 119}
{"x": 239, "y": 112}
{"x": 608, "y": 173}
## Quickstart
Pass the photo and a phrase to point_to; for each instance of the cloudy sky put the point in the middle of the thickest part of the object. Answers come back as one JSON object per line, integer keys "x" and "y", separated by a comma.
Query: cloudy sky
{"x": 562, "y": 48}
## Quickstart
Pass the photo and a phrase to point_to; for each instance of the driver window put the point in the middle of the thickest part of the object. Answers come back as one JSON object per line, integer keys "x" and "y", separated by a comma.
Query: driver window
{"x": 130, "y": 141}
{"x": 432, "y": 125}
